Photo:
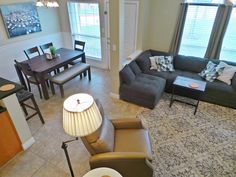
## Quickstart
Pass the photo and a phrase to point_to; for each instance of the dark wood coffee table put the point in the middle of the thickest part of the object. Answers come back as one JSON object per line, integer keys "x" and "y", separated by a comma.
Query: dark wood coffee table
{"x": 197, "y": 87}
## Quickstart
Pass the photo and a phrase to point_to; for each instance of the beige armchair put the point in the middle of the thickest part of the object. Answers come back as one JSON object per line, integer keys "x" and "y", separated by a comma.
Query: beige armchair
{"x": 121, "y": 144}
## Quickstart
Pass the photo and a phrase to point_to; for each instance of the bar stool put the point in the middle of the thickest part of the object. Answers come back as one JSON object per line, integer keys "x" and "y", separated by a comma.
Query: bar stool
{"x": 24, "y": 95}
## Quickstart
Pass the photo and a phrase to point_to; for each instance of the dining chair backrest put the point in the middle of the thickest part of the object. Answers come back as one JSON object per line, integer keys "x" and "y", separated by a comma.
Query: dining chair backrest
{"x": 25, "y": 69}
{"x": 79, "y": 45}
{"x": 45, "y": 46}
{"x": 30, "y": 51}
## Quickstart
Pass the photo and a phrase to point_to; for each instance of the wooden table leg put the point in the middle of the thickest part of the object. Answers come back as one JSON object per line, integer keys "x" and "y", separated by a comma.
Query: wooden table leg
{"x": 44, "y": 86}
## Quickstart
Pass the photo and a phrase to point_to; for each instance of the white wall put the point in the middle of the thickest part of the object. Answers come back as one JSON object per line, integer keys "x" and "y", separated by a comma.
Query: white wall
{"x": 12, "y": 48}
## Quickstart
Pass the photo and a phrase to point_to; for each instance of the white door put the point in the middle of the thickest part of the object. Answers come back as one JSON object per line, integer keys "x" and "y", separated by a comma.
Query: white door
{"x": 131, "y": 26}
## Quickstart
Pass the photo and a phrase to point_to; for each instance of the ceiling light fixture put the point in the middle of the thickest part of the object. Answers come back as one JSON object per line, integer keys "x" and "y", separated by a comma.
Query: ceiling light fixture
{"x": 47, "y": 3}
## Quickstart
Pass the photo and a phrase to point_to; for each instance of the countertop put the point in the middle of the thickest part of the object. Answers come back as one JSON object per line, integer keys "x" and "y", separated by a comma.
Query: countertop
{"x": 4, "y": 94}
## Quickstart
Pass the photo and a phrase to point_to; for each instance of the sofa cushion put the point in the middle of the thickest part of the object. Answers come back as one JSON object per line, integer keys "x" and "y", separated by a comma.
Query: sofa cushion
{"x": 134, "y": 67}
{"x": 143, "y": 61}
{"x": 187, "y": 63}
{"x": 127, "y": 75}
{"x": 158, "y": 53}
{"x": 145, "y": 87}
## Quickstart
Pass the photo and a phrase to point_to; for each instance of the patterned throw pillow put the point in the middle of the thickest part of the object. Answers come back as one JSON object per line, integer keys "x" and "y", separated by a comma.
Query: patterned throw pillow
{"x": 164, "y": 63}
{"x": 211, "y": 72}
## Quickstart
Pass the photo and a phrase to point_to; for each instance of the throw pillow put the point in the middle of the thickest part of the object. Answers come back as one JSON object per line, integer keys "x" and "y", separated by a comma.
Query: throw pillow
{"x": 211, "y": 72}
{"x": 227, "y": 74}
{"x": 165, "y": 63}
{"x": 153, "y": 63}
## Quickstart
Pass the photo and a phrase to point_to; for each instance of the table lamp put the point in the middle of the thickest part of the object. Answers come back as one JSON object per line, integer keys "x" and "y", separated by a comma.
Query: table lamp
{"x": 81, "y": 117}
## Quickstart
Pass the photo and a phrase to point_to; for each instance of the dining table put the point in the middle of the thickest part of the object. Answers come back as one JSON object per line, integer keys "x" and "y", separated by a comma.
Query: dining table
{"x": 41, "y": 65}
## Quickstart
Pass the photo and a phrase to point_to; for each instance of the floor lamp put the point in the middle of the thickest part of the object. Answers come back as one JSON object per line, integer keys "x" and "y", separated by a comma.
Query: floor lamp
{"x": 81, "y": 117}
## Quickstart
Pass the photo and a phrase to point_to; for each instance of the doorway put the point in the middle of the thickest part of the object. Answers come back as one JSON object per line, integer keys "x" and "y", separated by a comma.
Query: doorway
{"x": 88, "y": 21}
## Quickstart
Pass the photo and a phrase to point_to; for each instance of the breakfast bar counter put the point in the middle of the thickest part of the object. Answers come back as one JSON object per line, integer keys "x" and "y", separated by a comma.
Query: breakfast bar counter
{"x": 12, "y": 114}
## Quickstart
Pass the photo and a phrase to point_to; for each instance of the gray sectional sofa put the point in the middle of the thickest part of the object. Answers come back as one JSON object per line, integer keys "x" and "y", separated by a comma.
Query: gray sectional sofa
{"x": 142, "y": 86}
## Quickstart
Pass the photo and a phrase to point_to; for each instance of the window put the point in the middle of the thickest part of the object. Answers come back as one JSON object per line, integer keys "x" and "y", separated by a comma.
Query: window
{"x": 228, "y": 51}
{"x": 85, "y": 26}
{"x": 197, "y": 30}
{"x": 206, "y": 1}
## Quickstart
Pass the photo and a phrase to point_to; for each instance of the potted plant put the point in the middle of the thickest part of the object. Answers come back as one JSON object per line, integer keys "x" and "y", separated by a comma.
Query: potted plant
{"x": 53, "y": 51}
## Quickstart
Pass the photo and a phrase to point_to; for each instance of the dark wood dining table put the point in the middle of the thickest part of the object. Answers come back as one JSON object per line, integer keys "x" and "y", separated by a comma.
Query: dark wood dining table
{"x": 41, "y": 65}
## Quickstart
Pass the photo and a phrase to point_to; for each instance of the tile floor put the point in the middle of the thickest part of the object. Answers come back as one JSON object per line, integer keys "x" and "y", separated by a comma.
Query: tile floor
{"x": 45, "y": 158}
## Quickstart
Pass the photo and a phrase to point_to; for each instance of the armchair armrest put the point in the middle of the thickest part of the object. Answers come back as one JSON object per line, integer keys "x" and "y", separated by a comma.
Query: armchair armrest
{"x": 128, "y": 164}
{"x": 129, "y": 123}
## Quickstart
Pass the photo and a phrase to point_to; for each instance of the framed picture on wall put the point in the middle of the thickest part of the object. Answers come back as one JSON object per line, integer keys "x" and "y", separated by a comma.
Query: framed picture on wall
{"x": 20, "y": 19}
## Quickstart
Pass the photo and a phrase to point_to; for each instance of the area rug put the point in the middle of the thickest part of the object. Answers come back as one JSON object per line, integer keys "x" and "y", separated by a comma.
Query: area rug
{"x": 188, "y": 145}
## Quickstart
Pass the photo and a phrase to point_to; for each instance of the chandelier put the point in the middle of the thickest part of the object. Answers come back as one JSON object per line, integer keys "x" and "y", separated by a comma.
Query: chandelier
{"x": 47, "y": 3}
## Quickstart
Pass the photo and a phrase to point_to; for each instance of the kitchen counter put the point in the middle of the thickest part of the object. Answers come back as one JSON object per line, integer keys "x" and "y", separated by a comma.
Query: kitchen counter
{"x": 10, "y": 102}
{"x": 4, "y": 94}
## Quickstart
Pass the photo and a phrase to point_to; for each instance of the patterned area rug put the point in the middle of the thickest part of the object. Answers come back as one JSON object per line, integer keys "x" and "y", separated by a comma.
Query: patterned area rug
{"x": 188, "y": 145}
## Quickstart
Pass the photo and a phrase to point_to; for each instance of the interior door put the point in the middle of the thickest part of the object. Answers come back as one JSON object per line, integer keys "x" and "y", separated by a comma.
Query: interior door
{"x": 131, "y": 26}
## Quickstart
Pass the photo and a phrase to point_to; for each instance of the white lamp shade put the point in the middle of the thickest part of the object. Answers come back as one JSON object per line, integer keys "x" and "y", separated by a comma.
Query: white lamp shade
{"x": 81, "y": 115}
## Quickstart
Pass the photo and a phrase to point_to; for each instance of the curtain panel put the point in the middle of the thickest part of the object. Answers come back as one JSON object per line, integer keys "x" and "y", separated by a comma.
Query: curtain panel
{"x": 218, "y": 31}
{"x": 176, "y": 40}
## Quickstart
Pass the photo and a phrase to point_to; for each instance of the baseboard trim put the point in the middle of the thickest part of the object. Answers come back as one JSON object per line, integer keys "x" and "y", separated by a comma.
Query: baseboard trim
{"x": 114, "y": 95}
{"x": 28, "y": 143}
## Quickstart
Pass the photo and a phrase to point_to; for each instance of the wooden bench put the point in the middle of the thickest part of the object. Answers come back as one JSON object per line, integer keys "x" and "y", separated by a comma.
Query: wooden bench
{"x": 67, "y": 75}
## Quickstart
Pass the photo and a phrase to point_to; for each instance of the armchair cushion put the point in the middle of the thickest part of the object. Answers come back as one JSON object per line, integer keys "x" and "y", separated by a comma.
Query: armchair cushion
{"x": 127, "y": 123}
{"x": 127, "y": 164}
{"x": 133, "y": 140}
{"x": 105, "y": 140}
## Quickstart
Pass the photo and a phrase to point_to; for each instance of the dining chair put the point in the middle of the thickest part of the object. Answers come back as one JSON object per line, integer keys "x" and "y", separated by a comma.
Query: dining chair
{"x": 45, "y": 46}
{"x": 79, "y": 46}
{"x": 30, "y": 76}
{"x": 23, "y": 97}
{"x": 31, "y": 51}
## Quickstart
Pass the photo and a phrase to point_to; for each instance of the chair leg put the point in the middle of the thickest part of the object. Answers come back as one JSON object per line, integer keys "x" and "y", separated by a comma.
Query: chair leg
{"x": 40, "y": 93}
{"x": 37, "y": 109}
{"x": 24, "y": 109}
{"x": 81, "y": 76}
{"x": 89, "y": 74}
{"x": 29, "y": 87}
{"x": 62, "y": 91}
{"x": 47, "y": 82}
{"x": 52, "y": 87}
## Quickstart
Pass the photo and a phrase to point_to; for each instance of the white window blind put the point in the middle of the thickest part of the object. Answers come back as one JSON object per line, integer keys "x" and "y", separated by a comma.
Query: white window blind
{"x": 197, "y": 30}
{"x": 228, "y": 51}
{"x": 85, "y": 26}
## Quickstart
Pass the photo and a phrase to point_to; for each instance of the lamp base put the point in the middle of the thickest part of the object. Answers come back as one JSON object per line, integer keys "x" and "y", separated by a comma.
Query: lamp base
{"x": 64, "y": 147}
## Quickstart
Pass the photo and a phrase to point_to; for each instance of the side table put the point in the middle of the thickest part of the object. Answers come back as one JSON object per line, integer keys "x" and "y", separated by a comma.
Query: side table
{"x": 102, "y": 172}
{"x": 185, "y": 83}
